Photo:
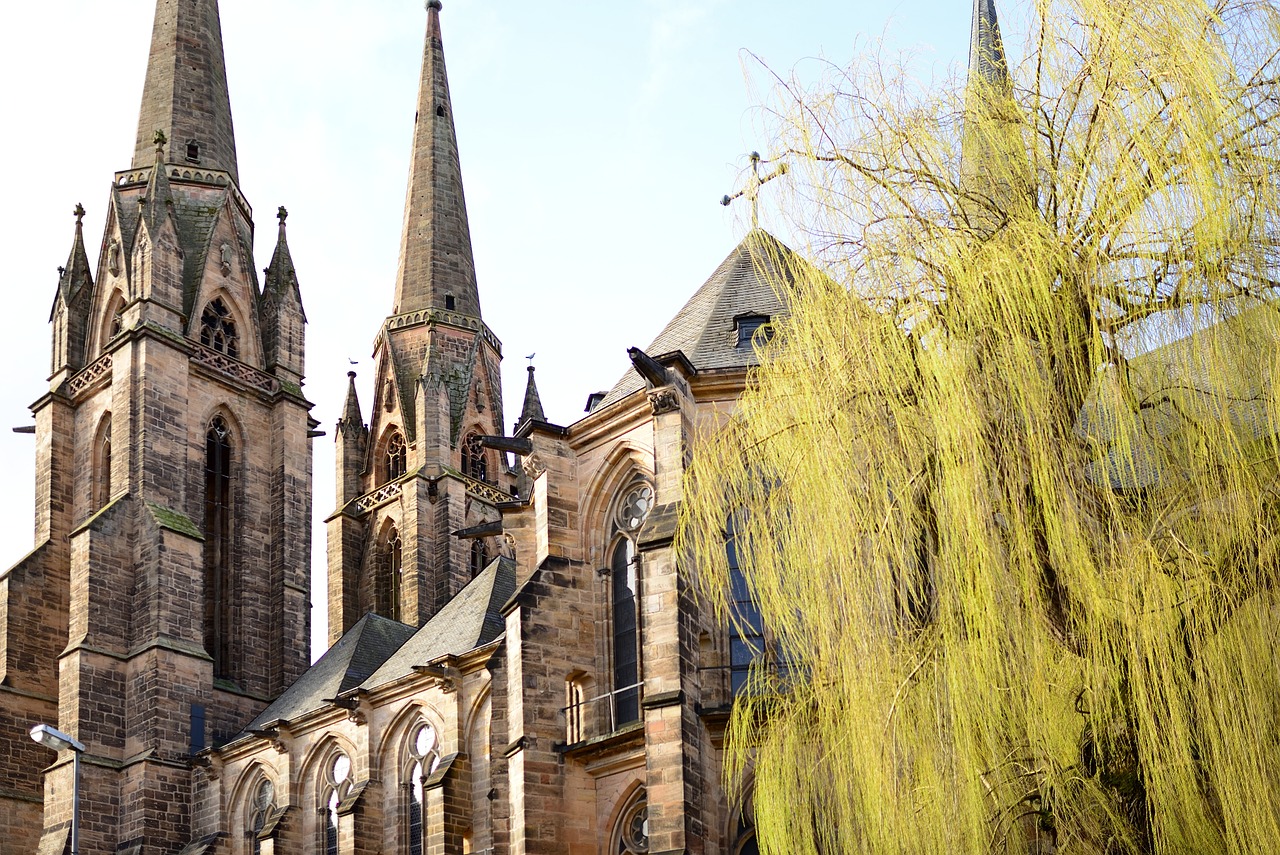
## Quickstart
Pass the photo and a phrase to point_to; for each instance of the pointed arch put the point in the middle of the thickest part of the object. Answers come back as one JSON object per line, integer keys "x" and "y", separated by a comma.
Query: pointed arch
{"x": 255, "y": 804}
{"x": 624, "y": 463}
{"x": 111, "y": 324}
{"x": 629, "y": 824}
{"x": 219, "y": 328}
{"x": 322, "y": 791}
{"x": 392, "y": 455}
{"x": 220, "y": 464}
{"x": 388, "y": 572}
{"x": 475, "y": 458}
{"x": 101, "y": 488}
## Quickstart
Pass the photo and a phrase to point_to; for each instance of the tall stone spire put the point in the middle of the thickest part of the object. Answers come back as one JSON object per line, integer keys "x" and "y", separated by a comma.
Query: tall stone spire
{"x": 437, "y": 270}
{"x": 185, "y": 94}
{"x": 995, "y": 173}
{"x": 986, "y": 49}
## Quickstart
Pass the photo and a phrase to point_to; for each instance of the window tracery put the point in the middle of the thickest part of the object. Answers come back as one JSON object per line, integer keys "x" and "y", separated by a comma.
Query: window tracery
{"x": 474, "y": 463}
{"x": 218, "y": 329}
{"x": 633, "y": 828}
{"x": 395, "y": 459}
{"x": 337, "y": 784}
{"x": 114, "y": 319}
{"x": 261, "y": 806}
{"x": 423, "y": 760}
{"x": 628, "y": 518}
{"x": 479, "y": 557}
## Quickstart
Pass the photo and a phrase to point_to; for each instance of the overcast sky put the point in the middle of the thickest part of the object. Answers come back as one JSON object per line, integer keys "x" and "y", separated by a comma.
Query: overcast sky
{"x": 596, "y": 138}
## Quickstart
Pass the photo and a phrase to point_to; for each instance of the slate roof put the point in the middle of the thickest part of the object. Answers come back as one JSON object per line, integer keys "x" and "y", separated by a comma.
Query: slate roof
{"x": 345, "y": 666}
{"x": 1217, "y": 378}
{"x": 704, "y": 331}
{"x": 471, "y": 619}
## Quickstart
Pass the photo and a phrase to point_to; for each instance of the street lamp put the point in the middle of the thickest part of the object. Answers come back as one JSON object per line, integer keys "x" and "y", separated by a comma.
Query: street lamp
{"x": 51, "y": 737}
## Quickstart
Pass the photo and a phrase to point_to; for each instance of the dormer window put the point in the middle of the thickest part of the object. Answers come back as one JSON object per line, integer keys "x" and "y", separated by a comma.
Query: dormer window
{"x": 747, "y": 327}
{"x": 193, "y": 152}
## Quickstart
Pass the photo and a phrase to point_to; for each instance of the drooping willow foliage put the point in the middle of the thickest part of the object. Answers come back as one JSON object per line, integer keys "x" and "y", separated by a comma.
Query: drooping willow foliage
{"x": 1005, "y": 485}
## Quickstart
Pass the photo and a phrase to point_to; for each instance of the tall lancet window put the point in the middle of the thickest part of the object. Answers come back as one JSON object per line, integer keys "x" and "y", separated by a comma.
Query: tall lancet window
{"x": 424, "y": 757}
{"x": 473, "y": 459}
{"x": 102, "y": 464}
{"x": 336, "y": 786}
{"x": 218, "y": 329}
{"x": 624, "y": 585}
{"x": 746, "y": 625}
{"x": 218, "y": 532}
{"x": 260, "y": 809}
{"x": 390, "y": 570}
{"x": 395, "y": 460}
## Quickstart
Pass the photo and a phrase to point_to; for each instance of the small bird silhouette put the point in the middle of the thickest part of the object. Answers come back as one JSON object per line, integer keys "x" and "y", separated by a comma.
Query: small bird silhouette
{"x": 353, "y": 361}
{"x": 531, "y": 356}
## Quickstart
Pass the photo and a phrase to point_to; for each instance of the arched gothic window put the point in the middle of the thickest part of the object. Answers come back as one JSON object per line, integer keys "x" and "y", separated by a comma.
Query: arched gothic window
{"x": 218, "y": 532}
{"x": 632, "y": 833}
{"x": 479, "y": 557}
{"x": 115, "y": 317}
{"x": 423, "y": 759}
{"x": 629, "y": 517}
{"x": 261, "y": 806}
{"x": 337, "y": 783}
{"x": 746, "y": 626}
{"x": 218, "y": 329}
{"x": 390, "y": 570}
{"x": 474, "y": 462}
{"x": 102, "y": 464}
{"x": 744, "y": 839}
{"x": 395, "y": 458}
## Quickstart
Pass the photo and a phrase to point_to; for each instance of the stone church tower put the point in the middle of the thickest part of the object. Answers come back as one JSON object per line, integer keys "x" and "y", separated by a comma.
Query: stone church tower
{"x": 167, "y": 599}
{"x": 417, "y": 490}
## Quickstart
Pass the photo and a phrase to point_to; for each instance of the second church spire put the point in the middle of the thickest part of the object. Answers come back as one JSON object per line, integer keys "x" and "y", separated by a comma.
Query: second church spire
{"x": 437, "y": 270}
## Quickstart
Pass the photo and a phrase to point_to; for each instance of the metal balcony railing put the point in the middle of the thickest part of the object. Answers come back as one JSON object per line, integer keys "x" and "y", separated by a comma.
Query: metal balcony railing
{"x": 589, "y": 718}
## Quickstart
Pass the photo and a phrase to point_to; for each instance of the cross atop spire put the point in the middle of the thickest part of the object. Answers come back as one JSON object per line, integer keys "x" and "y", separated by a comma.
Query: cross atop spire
{"x": 185, "y": 95}
{"x": 752, "y": 190}
{"x": 437, "y": 269}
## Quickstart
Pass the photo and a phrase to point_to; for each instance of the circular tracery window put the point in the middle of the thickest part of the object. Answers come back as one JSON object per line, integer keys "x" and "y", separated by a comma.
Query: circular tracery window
{"x": 339, "y": 775}
{"x": 635, "y": 507}
{"x": 634, "y": 839}
{"x": 259, "y": 811}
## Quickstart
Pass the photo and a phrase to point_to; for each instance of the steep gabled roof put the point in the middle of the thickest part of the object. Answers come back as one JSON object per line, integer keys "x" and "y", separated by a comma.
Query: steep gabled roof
{"x": 471, "y": 619}
{"x": 746, "y": 283}
{"x": 360, "y": 651}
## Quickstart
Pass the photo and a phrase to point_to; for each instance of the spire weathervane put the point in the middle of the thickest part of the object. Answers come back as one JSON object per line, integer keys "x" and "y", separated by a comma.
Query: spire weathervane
{"x": 752, "y": 191}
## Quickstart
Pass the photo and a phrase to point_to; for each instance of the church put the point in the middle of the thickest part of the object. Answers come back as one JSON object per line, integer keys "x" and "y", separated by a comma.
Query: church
{"x": 516, "y": 662}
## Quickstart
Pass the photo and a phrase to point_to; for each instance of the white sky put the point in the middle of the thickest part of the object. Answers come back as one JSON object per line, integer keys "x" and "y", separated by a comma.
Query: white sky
{"x": 596, "y": 138}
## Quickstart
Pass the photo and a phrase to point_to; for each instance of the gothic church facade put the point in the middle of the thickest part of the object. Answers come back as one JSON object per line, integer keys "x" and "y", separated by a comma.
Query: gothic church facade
{"x": 516, "y": 663}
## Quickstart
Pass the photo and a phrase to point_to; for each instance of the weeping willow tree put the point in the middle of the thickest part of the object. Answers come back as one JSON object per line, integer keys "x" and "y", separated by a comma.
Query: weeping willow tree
{"x": 1004, "y": 486}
